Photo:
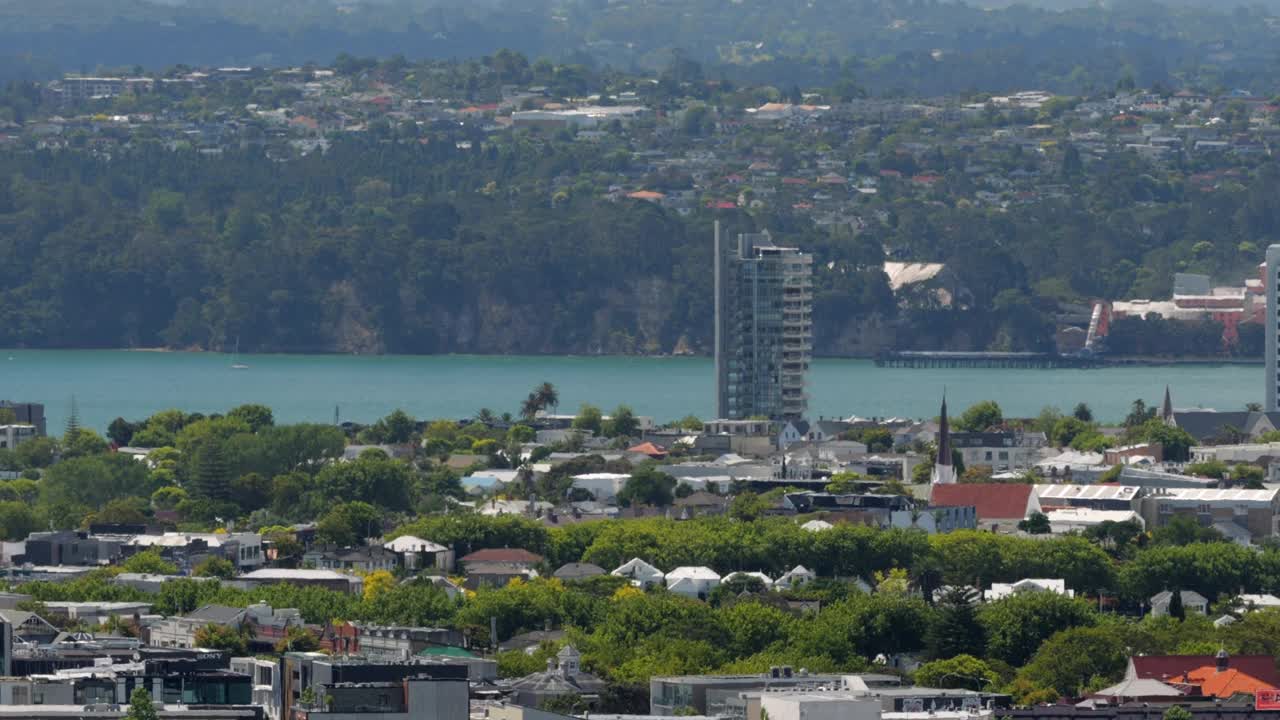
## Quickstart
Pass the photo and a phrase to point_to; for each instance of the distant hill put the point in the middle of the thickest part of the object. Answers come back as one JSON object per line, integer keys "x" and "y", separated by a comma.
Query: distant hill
{"x": 1037, "y": 42}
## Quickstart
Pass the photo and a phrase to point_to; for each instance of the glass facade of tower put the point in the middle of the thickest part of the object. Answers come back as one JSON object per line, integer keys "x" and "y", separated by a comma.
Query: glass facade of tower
{"x": 764, "y": 314}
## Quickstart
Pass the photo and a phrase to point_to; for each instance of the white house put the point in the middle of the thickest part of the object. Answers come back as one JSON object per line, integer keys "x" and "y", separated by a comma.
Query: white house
{"x": 419, "y": 553}
{"x": 1066, "y": 520}
{"x": 768, "y": 581}
{"x": 795, "y": 577}
{"x": 604, "y": 487}
{"x": 641, "y": 573}
{"x": 1028, "y": 585}
{"x": 1192, "y": 602}
{"x": 693, "y": 581}
{"x": 1258, "y": 602}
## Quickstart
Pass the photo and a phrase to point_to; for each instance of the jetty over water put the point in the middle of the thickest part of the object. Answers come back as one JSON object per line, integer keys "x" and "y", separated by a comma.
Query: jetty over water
{"x": 1011, "y": 360}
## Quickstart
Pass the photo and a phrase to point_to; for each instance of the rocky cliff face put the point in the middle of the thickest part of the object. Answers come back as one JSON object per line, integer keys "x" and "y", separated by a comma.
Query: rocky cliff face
{"x": 639, "y": 316}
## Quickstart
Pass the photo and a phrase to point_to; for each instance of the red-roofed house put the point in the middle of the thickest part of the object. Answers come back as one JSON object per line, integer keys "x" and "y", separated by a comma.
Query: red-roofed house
{"x": 1207, "y": 675}
{"x": 1220, "y": 676}
{"x": 508, "y": 556}
{"x": 995, "y": 503}
{"x": 648, "y": 448}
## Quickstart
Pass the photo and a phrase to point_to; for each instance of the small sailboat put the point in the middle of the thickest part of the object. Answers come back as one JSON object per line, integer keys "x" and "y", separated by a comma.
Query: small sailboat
{"x": 235, "y": 358}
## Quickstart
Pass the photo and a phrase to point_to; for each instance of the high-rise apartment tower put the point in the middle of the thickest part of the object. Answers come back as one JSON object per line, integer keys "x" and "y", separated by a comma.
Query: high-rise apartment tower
{"x": 1272, "y": 324}
{"x": 763, "y": 328}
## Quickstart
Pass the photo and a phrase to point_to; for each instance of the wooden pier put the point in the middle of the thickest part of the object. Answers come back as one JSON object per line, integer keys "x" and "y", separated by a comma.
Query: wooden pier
{"x": 1005, "y": 360}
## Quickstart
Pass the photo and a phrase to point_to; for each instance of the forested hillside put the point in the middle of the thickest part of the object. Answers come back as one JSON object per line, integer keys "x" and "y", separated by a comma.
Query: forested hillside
{"x": 922, "y": 47}
{"x": 423, "y": 247}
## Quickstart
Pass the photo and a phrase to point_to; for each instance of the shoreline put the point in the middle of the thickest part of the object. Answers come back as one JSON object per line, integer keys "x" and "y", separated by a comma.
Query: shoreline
{"x": 1103, "y": 362}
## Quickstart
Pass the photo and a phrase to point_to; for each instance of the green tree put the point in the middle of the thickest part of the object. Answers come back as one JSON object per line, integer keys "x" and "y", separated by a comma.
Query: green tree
{"x": 590, "y": 419}
{"x": 962, "y": 672}
{"x": 297, "y": 639}
{"x": 256, "y": 417}
{"x": 347, "y": 523}
{"x": 212, "y": 476}
{"x": 222, "y": 637}
{"x": 1078, "y": 660}
{"x": 647, "y": 486}
{"x": 396, "y": 428}
{"x": 140, "y": 706}
{"x": 982, "y": 416}
{"x": 215, "y": 567}
{"x": 82, "y": 442}
{"x": 955, "y": 629}
{"x": 1184, "y": 530}
{"x": 1178, "y": 712}
{"x": 372, "y": 478}
{"x": 548, "y": 396}
{"x": 1176, "y": 441}
{"x": 1176, "y": 609}
{"x": 1035, "y": 524}
{"x": 1082, "y": 413}
{"x": 622, "y": 423}
{"x": 1017, "y": 625}
{"x": 149, "y": 562}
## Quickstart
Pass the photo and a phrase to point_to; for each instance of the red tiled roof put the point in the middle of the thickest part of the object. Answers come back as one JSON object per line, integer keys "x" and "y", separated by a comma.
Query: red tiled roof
{"x": 648, "y": 448}
{"x": 1227, "y": 683}
{"x": 1198, "y": 668}
{"x": 503, "y": 555}
{"x": 993, "y": 501}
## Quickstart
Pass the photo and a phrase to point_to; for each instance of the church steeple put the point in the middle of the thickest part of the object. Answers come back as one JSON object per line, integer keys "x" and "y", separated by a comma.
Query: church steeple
{"x": 1166, "y": 409}
{"x": 944, "y": 473}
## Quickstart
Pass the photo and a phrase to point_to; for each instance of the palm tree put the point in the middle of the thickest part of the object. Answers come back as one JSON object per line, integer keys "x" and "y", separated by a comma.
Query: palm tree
{"x": 530, "y": 407}
{"x": 485, "y": 416}
{"x": 548, "y": 396}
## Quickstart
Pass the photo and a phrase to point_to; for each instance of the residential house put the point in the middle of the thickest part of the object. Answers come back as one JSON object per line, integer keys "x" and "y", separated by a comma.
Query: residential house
{"x": 603, "y": 486}
{"x": 302, "y": 577}
{"x": 399, "y": 643}
{"x": 416, "y": 553}
{"x": 1000, "y": 451}
{"x": 742, "y": 575}
{"x": 795, "y": 577}
{"x": 997, "y": 505}
{"x": 1028, "y": 585}
{"x": 1218, "y": 676}
{"x": 180, "y": 632}
{"x": 692, "y": 581}
{"x": 642, "y": 574}
{"x": 564, "y": 676}
{"x": 571, "y": 572}
{"x": 936, "y": 519}
{"x": 496, "y": 574}
{"x": 363, "y": 559}
{"x": 28, "y": 626}
{"x": 1063, "y": 521}
{"x": 517, "y": 557}
{"x": 701, "y": 503}
{"x": 1192, "y": 602}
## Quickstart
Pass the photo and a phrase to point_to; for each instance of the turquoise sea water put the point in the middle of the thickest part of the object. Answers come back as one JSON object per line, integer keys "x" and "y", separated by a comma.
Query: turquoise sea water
{"x": 111, "y": 383}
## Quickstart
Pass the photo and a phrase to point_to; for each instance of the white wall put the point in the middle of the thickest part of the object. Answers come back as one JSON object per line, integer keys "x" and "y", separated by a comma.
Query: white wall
{"x": 813, "y": 707}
